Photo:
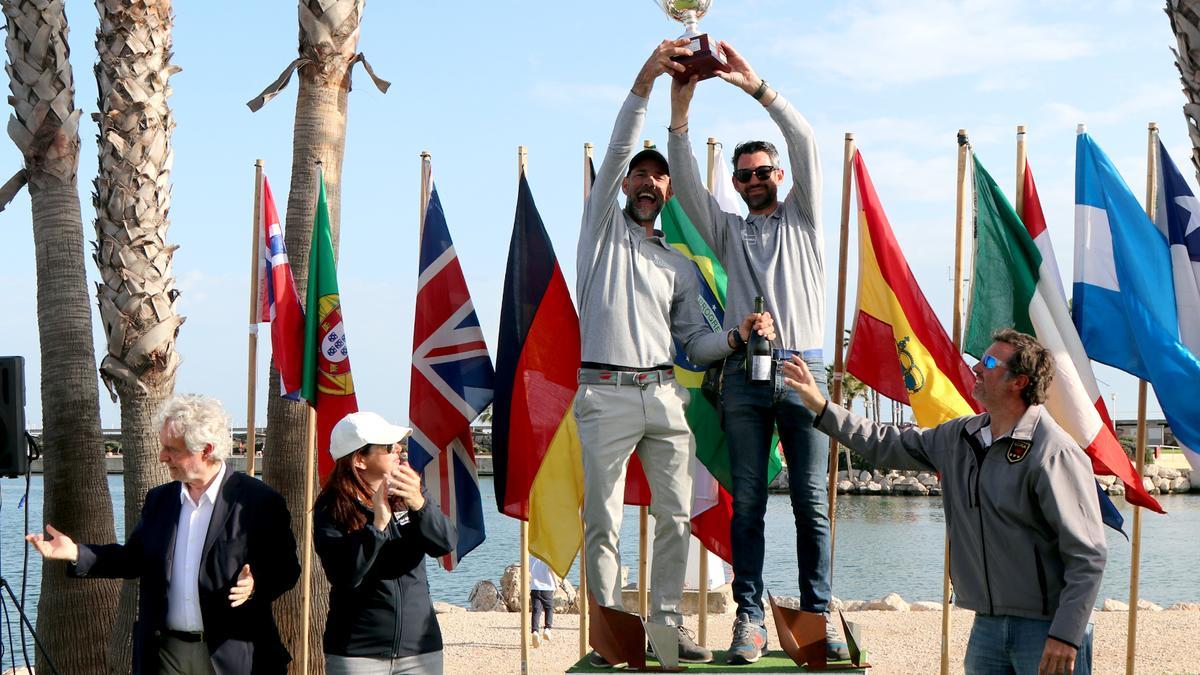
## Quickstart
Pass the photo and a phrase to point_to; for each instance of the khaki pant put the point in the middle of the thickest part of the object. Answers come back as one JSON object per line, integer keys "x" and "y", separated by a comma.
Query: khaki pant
{"x": 614, "y": 421}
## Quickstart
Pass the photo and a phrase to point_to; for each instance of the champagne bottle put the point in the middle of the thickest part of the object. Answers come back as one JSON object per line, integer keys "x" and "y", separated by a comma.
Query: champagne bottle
{"x": 758, "y": 350}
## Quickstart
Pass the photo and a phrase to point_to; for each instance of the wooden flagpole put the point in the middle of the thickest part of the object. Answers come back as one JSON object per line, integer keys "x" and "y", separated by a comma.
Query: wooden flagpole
{"x": 524, "y": 586}
{"x": 256, "y": 241}
{"x": 1135, "y": 556}
{"x": 426, "y": 175}
{"x": 643, "y": 534}
{"x": 702, "y": 572}
{"x": 310, "y": 462}
{"x": 310, "y": 467}
{"x": 1022, "y": 161}
{"x": 839, "y": 365}
{"x": 581, "y": 597}
{"x": 960, "y": 218}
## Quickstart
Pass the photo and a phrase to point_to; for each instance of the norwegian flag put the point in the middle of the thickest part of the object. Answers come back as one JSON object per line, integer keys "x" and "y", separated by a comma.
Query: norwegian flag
{"x": 278, "y": 303}
{"x": 452, "y": 382}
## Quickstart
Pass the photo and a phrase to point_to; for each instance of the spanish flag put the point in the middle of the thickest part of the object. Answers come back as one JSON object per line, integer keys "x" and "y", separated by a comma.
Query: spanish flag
{"x": 897, "y": 346}
{"x": 535, "y": 445}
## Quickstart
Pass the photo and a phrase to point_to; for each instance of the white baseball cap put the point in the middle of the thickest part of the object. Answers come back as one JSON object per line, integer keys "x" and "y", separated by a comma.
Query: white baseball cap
{"x": 363, "y": 428}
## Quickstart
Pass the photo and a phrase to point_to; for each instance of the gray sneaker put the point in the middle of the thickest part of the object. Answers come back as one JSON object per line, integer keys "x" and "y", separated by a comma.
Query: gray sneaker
{"x": 749, "y": 641}
{"x": 835, "y": 646}
{"x": 597, "y": 661}
{"x": 689, "y": 651}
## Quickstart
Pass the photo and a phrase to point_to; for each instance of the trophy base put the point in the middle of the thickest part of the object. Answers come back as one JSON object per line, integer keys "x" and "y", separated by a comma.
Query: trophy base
{"x": 704, "y": 62}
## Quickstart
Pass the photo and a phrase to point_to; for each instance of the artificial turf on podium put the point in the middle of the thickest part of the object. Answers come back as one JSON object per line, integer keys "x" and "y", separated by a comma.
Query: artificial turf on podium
{"x": 771, "y": 662}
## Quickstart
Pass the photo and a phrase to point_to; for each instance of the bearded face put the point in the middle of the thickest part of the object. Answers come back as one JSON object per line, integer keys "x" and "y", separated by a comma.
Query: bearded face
{"x": 760, "y": 194}
{"x": 647, "y": 188}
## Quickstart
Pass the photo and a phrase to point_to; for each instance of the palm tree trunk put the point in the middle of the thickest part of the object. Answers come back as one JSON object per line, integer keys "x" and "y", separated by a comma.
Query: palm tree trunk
{"x": 137, "y": 294}
{"x": 328, "y": 42}
{"x": 1185, "y": 22}
{"x": 73, "y": 617}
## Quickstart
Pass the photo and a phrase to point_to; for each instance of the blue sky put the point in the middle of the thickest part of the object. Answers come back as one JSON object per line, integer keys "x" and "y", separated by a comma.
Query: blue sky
{"x": 472, "y": 81}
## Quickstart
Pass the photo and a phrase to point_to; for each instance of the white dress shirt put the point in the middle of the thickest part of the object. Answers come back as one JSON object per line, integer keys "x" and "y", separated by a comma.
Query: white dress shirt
{"x": 183, "y": 593}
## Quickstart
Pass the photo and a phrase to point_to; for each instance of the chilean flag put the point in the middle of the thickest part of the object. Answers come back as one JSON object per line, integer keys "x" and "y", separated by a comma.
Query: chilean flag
{"x": 278, "y": 303}
{"x": 452, "y": 382}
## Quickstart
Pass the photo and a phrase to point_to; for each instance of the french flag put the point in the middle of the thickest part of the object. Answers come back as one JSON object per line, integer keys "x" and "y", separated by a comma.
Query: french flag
{"x": 278, "y": 303}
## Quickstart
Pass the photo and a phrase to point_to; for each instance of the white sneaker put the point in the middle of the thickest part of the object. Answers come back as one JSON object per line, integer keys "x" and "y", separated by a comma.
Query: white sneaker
{"x": 537, "y": 639}
{"x": 546, "y": 635}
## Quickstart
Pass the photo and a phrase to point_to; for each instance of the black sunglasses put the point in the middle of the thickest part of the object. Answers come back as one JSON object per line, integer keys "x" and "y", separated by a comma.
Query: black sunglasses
{"x": 762, "y": 172}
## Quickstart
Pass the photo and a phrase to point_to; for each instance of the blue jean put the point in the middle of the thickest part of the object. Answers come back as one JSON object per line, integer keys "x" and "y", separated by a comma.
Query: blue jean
{"x": 1011, "y": 645}
{"x": 752, "y": 412}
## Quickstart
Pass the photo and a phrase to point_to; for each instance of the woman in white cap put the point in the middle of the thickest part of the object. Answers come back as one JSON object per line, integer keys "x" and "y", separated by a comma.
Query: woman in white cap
{"x": 372, "y": 528}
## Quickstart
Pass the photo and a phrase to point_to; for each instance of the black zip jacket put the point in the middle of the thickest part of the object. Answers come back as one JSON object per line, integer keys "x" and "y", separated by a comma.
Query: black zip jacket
{"x": 379, "y": 602}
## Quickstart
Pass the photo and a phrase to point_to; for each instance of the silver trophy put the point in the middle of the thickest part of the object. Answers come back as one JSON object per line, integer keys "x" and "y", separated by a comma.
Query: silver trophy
{"x": 705, "y": 60}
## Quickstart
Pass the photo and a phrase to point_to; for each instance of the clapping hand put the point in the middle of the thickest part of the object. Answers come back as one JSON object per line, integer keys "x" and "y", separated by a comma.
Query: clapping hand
{"x": 404, "y": 483}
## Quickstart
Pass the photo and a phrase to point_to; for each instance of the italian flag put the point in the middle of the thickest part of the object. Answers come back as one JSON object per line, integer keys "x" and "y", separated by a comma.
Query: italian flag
{"x": 1016, "y": 284}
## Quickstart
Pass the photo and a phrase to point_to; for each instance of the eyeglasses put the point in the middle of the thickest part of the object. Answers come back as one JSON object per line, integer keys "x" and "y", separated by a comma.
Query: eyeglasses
{"x": 989, "y": 362}
{"x": 761, "y": 172}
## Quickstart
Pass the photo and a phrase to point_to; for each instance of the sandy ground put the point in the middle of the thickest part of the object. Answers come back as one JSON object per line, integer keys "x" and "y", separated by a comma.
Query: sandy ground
{"x": 897, "y": 642}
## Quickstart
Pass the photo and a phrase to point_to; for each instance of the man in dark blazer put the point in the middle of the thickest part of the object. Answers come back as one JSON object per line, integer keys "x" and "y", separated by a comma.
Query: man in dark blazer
{"x": 213, "y": 549}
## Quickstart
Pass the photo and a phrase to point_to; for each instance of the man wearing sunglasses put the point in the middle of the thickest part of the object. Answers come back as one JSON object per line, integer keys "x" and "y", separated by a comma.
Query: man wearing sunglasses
{"x": 775, "y": 252}
{"x": 1027, "y": 547}
{"x": 637, "y": 299}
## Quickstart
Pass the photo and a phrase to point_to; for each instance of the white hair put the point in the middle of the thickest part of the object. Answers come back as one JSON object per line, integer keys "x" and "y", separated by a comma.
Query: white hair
{"x": 199, "y": 421}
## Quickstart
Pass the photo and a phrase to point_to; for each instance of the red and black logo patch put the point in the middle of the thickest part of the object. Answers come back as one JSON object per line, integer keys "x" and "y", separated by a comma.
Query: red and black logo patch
{"x": 1017, "y": 450}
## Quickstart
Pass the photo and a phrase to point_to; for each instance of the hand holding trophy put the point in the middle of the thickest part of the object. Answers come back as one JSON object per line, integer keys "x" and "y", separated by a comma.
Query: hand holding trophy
{"x": 705, "y": 59}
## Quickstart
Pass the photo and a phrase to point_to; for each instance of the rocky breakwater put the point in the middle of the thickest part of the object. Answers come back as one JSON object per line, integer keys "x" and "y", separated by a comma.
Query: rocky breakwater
{"x": 1157, "y": 480}
{"x": 488, "y": 597}
{"x": 893, "y": 602}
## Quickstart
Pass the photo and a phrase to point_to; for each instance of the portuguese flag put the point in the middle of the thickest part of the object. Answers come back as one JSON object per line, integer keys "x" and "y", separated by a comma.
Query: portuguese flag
{"x": 1016, "y": 285}
{"x": 327, "y": 385}
{"x": 897, "y": 346}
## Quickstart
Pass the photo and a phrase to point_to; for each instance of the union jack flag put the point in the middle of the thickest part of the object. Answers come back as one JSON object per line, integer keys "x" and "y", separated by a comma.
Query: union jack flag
{"x": 452, "y": 382}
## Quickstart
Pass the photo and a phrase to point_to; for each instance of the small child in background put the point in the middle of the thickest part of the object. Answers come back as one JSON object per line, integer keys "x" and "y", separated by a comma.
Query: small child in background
{"x": 542, "y": 584}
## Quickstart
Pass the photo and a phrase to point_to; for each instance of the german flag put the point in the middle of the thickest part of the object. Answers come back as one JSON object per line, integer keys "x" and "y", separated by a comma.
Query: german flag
{"x": 535, "y": 446}
{"x": 898, "y": 347}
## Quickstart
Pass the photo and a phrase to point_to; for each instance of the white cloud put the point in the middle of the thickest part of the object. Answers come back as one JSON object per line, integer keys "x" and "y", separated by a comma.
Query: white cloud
{"x": 880, "y": 43}
{"x": 573, "y": 94}
{"x": 1145, "y": 103}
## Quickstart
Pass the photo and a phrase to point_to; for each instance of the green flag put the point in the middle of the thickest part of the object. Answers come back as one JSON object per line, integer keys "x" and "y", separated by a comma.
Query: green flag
{"x": 327, "y": 385}
{"x": 702, "y": 417}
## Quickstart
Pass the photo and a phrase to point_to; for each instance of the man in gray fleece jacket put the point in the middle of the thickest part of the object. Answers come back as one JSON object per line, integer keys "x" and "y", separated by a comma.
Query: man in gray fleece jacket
{"x": 638, "y": 298}
{"x": 1027, "y": 547}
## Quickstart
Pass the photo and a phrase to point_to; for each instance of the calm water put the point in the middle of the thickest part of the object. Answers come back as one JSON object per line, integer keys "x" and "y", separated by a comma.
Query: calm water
{"x": 884, "y": 544}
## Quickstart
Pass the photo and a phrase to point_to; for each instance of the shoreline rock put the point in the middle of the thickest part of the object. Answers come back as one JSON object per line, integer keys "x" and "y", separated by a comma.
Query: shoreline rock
{"x": 1157, "y": 480}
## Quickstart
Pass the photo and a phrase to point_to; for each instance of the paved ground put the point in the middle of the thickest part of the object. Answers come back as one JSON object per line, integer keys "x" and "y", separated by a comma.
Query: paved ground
{"x": 898, "y": 642}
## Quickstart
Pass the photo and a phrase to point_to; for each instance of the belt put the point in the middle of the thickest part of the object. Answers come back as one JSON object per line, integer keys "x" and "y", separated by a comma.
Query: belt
{"x": 787, "y": 354}
{"x": 592, "y": 365}
{"x": 624, "y": 377}
{"x": 184, "y": 636}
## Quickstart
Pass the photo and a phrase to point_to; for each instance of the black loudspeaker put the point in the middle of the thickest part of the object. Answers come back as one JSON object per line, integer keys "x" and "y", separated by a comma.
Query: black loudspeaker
{"x": 14, "y": 460}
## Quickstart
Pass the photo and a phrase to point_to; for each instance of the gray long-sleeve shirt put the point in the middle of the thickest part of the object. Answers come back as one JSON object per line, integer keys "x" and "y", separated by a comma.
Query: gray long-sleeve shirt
{"x": 635, "y": 291}
{"x": 784, "y": 249}
{"x": 1026, "y": 537}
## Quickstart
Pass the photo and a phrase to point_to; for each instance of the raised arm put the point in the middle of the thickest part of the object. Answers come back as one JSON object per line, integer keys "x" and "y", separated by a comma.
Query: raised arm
{"x": 804, "y": 162}
{"x": 701, "y": 208}
{"x": 602, "y": 201}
